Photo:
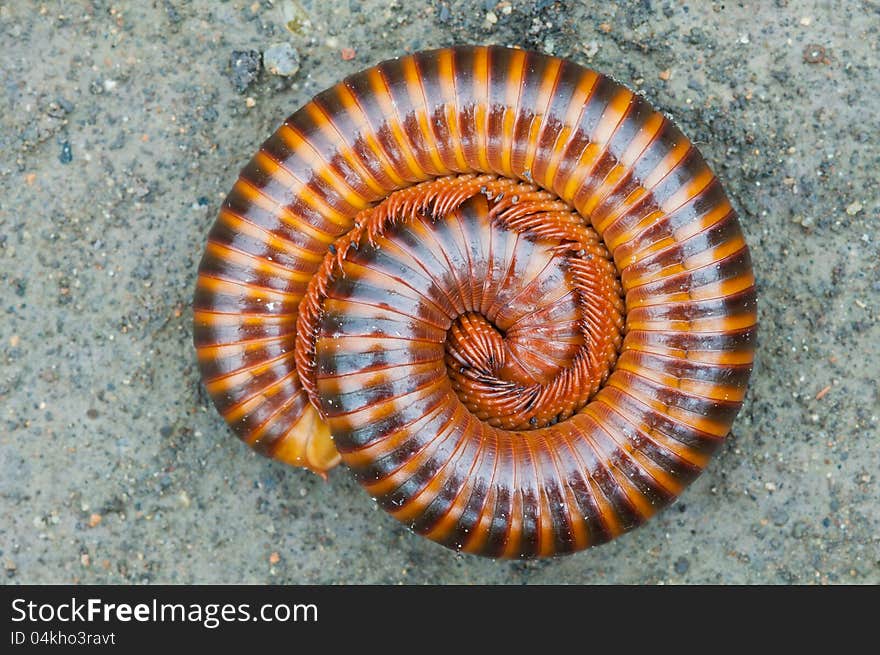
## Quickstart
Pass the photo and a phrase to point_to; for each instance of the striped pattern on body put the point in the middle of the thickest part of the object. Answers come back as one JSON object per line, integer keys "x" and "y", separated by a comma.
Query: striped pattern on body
{"x": 455, "y": 303}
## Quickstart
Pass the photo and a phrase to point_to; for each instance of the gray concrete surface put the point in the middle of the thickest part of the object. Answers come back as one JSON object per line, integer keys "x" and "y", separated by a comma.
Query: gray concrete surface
{"x": 124, "y": 124}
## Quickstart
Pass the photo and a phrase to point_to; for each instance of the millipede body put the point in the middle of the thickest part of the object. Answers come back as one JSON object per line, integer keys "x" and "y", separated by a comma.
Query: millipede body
{"x": 507, "y": 293}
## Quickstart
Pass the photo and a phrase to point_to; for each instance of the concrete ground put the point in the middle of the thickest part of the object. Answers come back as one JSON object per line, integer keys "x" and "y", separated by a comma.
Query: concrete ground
{"x": 124, "y": 124}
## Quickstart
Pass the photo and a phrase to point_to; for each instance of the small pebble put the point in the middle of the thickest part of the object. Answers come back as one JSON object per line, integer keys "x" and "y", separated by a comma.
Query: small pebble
{"x": 95, "y": 520}
{"x": 281, "y": 59}
{"x": 814, "y": 54}
{"x": 66, "y": 155}
{"x": 779, "y": 517}
{"x": 682, "y": 566}
{"x": 274, "y": 558}
{"x": 854, "y": 208}
{"x": 348, "y": 54}
{"x": 245, "y": 67}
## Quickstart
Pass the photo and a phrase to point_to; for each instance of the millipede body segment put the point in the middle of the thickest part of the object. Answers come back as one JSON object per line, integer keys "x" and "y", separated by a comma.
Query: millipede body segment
{"x": 507, "y": 293}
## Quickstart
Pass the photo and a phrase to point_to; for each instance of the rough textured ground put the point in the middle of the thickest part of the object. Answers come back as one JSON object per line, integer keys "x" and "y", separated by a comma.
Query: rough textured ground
{"x": 124, "y": 124}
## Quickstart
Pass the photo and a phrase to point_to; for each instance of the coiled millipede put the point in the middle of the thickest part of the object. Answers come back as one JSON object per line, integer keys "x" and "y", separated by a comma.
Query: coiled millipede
{"x": 507, "y": 293}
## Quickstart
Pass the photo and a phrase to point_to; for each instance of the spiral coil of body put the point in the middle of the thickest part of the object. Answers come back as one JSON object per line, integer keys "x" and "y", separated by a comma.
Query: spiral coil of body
{"x": 512, "y": 292}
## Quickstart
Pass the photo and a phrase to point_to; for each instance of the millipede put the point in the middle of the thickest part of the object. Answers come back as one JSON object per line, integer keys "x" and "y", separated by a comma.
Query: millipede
{"x": 508, "y": 294}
